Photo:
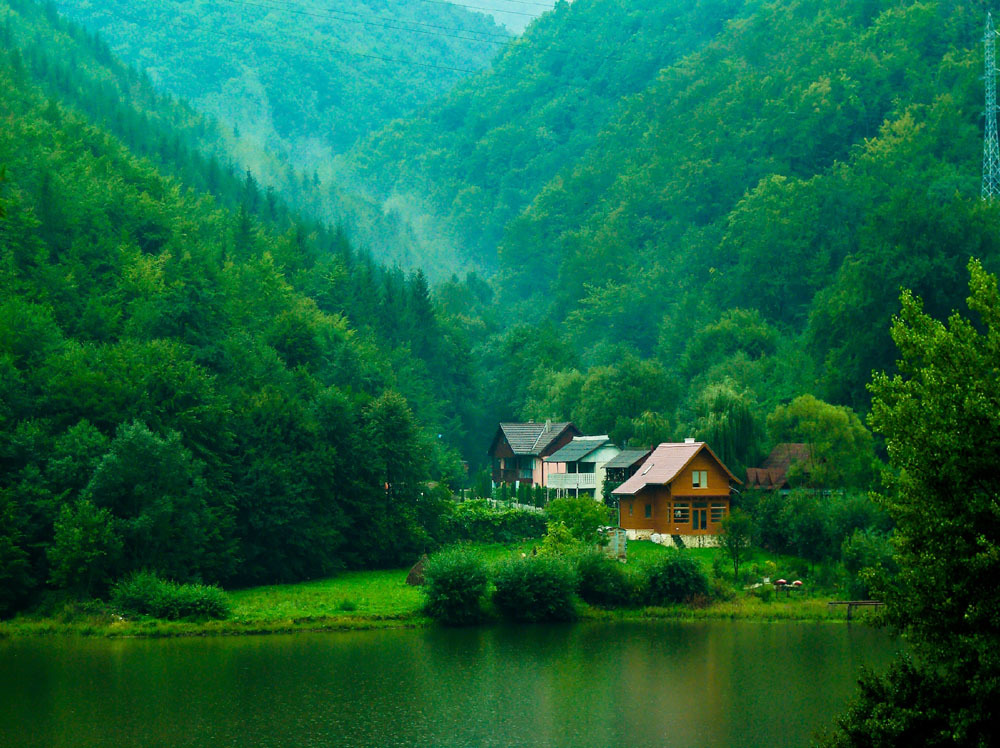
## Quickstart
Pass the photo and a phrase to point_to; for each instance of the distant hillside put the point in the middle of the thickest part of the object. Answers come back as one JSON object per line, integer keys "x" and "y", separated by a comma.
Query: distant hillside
{"x": 295, "y": 83}
{"x": 304, "y": 78}
{"x": 477, "y": 158}
{"x": 699, "y": 211}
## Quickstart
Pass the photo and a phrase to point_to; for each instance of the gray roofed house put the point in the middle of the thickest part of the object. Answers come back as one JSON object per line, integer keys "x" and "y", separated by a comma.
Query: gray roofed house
{"x": 624, "y": 465}
{"x": 518, "y": 449}
{"x": 628, "y": 458}
{"x": 579, "y": 466}
{"x": 580, "y": 447}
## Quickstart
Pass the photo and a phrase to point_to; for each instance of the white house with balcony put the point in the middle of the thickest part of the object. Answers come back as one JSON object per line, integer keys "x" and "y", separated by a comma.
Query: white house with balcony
{"x": 578, "y": 467}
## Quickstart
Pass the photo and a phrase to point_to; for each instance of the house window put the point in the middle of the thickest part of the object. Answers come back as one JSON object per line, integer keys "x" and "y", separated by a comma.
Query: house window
{"x": 718, "y": 512}
{"x": 699, "y": 479}
{"x": 630, "y": 509}
{"x": 682, "y": 513}
{"x": 649, "y": 511}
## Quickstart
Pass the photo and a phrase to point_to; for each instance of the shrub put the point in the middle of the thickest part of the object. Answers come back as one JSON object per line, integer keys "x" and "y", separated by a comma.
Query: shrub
{"x": 602, "y": 581}
{"x": 454, "y": 585}
{"x": 675, "y": 578}
{"x": 559, "y": 540}
{"x": 144, "y": 593}
{"x": 480, "y": 522}
{"x": 720, "y": 589}
{"x": 581, "y": 514}
{"x": 535, "y": 589}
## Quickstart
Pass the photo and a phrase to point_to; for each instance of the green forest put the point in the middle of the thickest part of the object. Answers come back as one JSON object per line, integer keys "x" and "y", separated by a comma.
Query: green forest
{"x": 195, "y": 380}
{"x": 709, "y": 240}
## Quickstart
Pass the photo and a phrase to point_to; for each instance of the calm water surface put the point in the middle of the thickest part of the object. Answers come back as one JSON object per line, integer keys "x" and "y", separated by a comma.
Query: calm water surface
{"x": 588, "y": 685}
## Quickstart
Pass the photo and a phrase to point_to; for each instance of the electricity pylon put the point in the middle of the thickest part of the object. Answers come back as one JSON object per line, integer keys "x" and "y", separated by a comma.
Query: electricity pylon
{"x": 991, "y": 149}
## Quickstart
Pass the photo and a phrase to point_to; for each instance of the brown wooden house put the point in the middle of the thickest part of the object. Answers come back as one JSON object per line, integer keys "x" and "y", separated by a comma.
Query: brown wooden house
{"x": 681, "y": 489}
{"x": 518, "y": 450}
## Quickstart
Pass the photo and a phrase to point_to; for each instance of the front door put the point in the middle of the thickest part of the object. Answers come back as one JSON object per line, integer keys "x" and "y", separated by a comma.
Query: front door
{"x": 700, "y": 519}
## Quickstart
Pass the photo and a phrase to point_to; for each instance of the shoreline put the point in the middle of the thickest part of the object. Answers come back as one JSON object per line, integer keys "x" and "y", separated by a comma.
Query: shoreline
{"x": 92, "y": 626}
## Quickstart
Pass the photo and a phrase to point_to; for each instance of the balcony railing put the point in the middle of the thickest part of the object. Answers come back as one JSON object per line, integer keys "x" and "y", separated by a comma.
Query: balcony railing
{"x": 581, "y": 481}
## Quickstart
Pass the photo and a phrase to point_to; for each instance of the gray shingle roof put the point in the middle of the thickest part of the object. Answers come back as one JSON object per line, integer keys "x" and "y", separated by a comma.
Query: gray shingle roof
{"x": 577, "y": 449}
{"x": 531, "y": 438}
{"x": 627, "y": 458}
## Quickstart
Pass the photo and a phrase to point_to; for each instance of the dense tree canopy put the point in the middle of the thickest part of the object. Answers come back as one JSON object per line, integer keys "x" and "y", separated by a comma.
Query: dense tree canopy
{"x": 940, "y": 416}
{"x": 187, "y": 387}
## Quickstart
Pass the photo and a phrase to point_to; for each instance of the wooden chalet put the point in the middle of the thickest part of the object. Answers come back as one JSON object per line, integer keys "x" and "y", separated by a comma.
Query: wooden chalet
{"x": 518, "y": 450}
{"x": 680, "y": 489}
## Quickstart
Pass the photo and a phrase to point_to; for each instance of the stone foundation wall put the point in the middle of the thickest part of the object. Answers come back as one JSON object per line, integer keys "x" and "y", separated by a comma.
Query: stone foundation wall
{"x": 690, "y": 541}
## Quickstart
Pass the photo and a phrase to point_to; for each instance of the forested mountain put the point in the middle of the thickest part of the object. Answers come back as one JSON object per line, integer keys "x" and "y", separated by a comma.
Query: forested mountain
{"x": 304, "y": 78}
{"x": 295, "y": 83}
{"x": 478, "y": 157}
{"x": 700, "y": 213}
{"x": 206, "y": 386}
{"x": 687, "y": 248}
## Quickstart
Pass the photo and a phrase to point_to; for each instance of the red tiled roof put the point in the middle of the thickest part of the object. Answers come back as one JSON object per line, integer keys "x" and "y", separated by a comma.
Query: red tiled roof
{"x": 774, "y": 472}
{"x": 764, "y": 478}
{"x": 666, "y": 462}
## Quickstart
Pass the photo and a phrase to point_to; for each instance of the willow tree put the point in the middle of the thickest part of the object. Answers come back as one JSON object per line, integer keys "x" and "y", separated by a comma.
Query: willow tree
{"x": 727, "y": 423}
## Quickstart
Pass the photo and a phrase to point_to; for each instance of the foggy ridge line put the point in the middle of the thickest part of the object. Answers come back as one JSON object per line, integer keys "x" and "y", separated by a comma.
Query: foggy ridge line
{"x": 245, "y": 35}
{"x": 251, "y": 36}
{"x": 366, "y": 23}
{"x": 295, "y": 9}
{"x": 500, "y": 35}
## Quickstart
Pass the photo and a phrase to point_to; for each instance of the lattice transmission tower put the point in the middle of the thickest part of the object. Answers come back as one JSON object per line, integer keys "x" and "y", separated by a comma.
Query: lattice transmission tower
{"x": 991, "y": 149}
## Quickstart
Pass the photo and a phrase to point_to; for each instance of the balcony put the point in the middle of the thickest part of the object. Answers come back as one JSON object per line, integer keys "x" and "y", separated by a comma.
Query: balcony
{"x": 578, "y": 481}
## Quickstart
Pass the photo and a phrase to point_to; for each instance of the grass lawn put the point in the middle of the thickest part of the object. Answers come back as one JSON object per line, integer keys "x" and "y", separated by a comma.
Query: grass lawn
{"x": 376, "y": 599}
{"x": 381, "y": 595}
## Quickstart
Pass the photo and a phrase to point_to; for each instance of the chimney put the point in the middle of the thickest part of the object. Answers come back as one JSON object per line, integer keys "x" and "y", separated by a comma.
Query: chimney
{"x": 689, "y": 440}
{"x": 548, "y": 424}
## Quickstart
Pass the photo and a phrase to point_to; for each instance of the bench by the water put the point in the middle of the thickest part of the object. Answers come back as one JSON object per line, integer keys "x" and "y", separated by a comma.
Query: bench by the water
{"x": 851, "y": 604}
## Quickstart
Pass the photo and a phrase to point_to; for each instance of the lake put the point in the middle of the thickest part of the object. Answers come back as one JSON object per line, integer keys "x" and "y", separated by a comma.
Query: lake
{"x": 717, "y": 683}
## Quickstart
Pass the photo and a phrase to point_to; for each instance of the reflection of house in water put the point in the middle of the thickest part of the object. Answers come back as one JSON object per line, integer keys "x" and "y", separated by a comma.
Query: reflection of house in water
{"x": 579, "y": 467}
{"x": 773, "y": 473}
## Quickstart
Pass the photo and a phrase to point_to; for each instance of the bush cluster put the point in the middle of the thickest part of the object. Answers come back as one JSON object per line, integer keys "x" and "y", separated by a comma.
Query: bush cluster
{"x": 455, "y": 583}
{"x": 605, "y": 582}
{"x": 546, "y": 587}
{"x": 535, "y": 589}
{"x": 480, "y": 522}
{"x": 144, "y": 593}
{"x": 675, "y": 578}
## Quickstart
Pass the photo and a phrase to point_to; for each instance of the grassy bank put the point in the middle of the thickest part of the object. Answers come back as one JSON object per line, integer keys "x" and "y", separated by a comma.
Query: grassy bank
{"x": 381, "y": 599}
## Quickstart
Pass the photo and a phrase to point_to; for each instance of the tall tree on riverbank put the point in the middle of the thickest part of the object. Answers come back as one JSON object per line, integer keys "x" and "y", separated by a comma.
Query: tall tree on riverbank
{"x": 941, "y": 419}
